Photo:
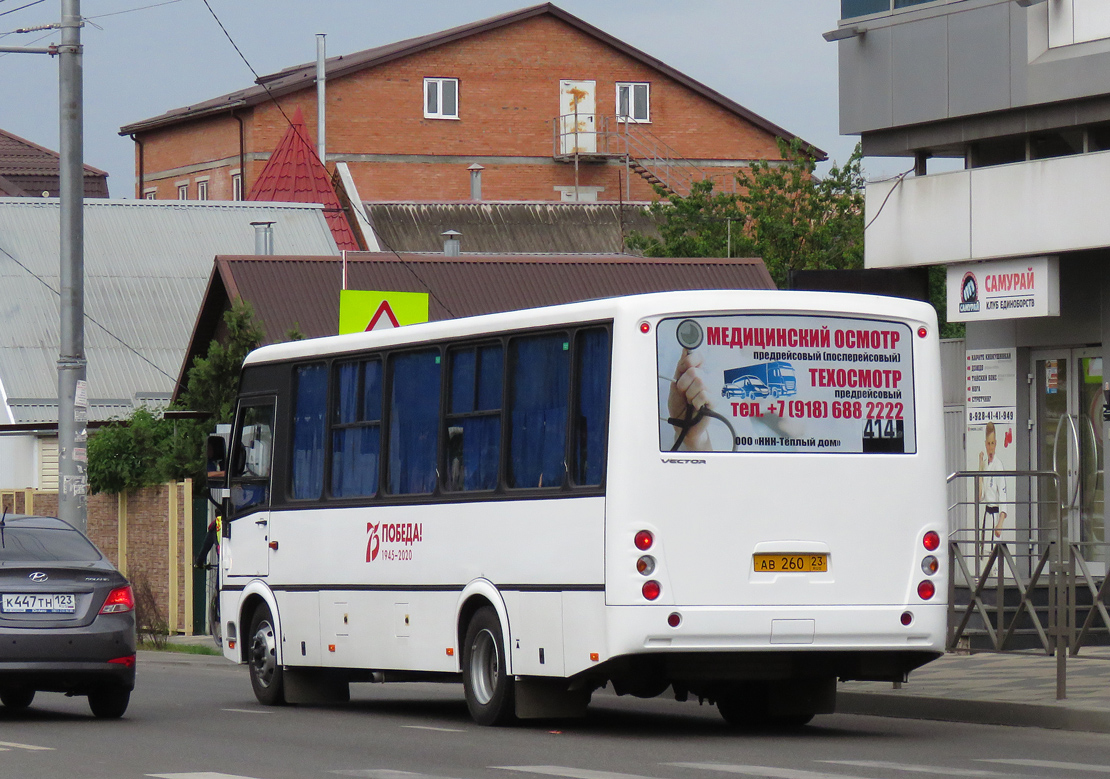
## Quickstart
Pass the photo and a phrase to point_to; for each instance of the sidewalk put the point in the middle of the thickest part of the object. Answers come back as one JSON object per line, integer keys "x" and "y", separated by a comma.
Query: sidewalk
{"x": 1016, "y": 688}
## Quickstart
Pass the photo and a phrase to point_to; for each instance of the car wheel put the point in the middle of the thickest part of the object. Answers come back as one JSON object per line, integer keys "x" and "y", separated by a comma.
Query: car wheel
{"x": 17, "y": 698}
{"x": 109, "y": 702}
{"x": 266, "y": 675}
{"x": 488, "y": 687}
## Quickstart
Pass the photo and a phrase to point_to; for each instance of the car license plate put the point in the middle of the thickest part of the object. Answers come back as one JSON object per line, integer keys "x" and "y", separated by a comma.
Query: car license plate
{"x": 57, "y": 603}
{"x": 790, "y": 563}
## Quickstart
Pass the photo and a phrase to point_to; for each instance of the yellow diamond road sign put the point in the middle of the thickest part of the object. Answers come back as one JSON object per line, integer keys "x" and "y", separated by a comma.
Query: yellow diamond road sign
{"x": 363, "y": 310}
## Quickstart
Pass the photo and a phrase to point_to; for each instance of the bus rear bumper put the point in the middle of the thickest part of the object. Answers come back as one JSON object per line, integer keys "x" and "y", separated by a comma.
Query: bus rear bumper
{"x": 635, "y": 630}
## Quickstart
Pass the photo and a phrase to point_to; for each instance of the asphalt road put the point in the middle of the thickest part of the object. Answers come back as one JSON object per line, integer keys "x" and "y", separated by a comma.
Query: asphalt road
{"x": 195, "y": 718}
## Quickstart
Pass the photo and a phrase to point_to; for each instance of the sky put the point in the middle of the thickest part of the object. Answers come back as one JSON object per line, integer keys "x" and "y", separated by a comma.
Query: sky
{"x": 145, "y": 57}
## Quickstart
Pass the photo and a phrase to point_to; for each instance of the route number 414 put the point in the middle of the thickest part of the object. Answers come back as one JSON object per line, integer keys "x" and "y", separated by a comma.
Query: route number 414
{"x": 882, "y": 428}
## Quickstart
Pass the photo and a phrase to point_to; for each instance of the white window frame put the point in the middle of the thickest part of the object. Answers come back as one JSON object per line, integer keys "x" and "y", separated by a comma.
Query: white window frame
{"x": 236, "y": 184}
{"x": 183, "y": 191}
{"x": 438, "y": 84}
{"x": 150, "y": 193}
{"x": 630, "y": 87}
{"x": 202, "y": 188}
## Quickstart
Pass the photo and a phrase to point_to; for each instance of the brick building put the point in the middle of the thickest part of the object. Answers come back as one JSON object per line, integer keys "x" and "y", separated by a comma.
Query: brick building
{"x": 549, "y": 106}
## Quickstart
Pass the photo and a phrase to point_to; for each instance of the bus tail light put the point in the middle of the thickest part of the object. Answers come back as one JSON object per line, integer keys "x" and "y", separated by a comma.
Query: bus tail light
{"x": 674, "y": 619}
{"x": 926, "y": 590}
{"x": 644, "y": 539}
{"x": 931, "y": 541}
{"x": 930, "y": 565}
{"x": 651, "y": 589}
{"x": 646, "y": 565}
{"x": 907, "y": 618}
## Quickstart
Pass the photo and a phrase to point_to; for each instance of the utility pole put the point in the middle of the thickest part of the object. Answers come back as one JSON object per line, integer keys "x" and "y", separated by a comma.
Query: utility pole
{"x": 73, "y": 395}
{"x": 73, "y": 400}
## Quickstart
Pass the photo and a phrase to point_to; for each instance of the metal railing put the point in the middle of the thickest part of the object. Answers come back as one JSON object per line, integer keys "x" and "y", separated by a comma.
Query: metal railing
{"x": 591, "y": 137}
{"x": 1032, "y": 551}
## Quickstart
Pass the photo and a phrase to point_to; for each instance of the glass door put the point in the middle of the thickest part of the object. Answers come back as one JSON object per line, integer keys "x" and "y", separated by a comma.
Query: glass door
{"x": 1068, "y": 398}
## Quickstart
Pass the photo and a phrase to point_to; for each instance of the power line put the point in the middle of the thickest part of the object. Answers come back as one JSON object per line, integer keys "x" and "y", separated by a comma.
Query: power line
{"x": 123, "y": 343}
{"x": 12, "y": 11}
{"x": 130, "y": 10}
{"x": 288, "y": 121}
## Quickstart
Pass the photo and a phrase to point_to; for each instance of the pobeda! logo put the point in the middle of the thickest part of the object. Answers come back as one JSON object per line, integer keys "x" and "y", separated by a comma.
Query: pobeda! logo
{"x": 969, "y": 294}
{"x": 388, "y": 535}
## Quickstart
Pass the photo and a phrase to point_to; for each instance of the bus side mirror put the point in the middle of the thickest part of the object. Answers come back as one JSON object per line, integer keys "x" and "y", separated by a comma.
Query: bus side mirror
{"x": 216, "y": 457}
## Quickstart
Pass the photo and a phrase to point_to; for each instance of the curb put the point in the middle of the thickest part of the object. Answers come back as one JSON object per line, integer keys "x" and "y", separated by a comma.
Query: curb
{"x": 1027, "y": 715}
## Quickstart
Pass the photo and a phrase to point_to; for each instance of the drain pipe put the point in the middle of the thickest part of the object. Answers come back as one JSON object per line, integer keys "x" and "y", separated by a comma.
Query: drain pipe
{"x": 321, "y": 106}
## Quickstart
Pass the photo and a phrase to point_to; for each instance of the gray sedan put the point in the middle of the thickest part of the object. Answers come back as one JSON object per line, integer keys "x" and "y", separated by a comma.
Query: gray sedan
{"x": 67, "y": 617}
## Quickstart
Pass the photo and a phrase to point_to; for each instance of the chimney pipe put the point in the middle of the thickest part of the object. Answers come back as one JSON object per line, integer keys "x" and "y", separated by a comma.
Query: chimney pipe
{"x": 475, "y": 181}
{"x": 263, "y": 237}
{"x": 451, "y": 245}
{"x": 321, "y": 103}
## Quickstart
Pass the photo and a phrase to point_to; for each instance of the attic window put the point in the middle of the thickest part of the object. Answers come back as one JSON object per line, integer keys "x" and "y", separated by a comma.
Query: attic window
{"x": 633, "y": 104}
{"x": 441, "y": 98}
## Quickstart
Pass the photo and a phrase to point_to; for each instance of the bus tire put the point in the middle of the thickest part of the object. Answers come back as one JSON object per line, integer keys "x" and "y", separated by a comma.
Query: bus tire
{"x": 266, "y": 675}
{"x": 488, "y": 686}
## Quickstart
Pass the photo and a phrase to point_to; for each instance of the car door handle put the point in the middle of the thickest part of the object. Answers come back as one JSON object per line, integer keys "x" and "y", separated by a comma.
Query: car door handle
{"x": 261, "y": 522}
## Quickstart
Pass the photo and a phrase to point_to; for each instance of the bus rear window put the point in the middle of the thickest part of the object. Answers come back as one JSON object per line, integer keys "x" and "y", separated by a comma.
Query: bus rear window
{"x": 769, "y": 383}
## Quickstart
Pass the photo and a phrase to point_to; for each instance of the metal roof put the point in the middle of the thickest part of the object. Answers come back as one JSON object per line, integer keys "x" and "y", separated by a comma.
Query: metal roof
{"x": 303, "y": 76}
{"x": 491, "y": 227}
{"x": 27, "y": 170}
{"x": 305, "y": 290}
{"x": 147, "y": 264}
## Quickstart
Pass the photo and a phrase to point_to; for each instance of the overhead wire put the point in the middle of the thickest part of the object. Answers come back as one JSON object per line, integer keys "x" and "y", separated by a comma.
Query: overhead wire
{"x": 281, "y": 109}
{"x": 92, "y": 319}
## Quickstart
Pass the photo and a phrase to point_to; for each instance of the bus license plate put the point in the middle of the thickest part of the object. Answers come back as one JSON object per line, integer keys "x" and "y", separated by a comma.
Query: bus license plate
{"x": 59, "y": 603}
{"x": 790, "y": 563}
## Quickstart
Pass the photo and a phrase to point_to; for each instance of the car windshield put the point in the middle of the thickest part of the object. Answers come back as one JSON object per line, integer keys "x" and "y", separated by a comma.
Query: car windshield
{"x": 45, "y": 545}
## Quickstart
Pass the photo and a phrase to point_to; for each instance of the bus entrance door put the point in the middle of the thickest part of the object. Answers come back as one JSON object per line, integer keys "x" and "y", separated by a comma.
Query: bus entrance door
{"x": 248, "y": 553}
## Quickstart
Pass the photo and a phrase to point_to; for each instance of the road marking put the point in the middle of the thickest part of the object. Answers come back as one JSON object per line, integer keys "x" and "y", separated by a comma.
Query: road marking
{"x": 438, "y": 730}
{"x": 570, "y": 773}
{"x": 1095, "y": 769}
{"x": 199, "y": 775}
{"x": 383, "y": 773}
{"x": 9, "y": 745}
{"x": 765, "y": 771}
{"x": 919, "y": 769}
{"x": 249, "y": 711}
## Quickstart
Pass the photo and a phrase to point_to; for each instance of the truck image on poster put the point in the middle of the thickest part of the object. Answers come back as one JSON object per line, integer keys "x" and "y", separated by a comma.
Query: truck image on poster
{"x": 760, "y": 380}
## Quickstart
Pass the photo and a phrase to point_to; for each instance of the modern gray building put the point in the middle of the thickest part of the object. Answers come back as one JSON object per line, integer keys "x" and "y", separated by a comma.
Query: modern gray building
{"x": 1017, "y": 94}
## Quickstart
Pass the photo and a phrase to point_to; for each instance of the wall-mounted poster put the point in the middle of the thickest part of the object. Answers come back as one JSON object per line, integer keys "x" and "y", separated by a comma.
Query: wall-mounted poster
{"x": 991, "y": 412}
{"x": 765, "y": 383}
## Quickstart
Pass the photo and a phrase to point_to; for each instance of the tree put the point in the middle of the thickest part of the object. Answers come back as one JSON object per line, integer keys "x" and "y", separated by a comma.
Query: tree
{"x": 146, "y": 449}
{"x": 783, "y": 213}
{"x": 213, "y": 381}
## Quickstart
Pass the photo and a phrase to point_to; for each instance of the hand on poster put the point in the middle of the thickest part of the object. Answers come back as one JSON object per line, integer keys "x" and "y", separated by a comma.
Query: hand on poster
{"x": 689, "y": 389}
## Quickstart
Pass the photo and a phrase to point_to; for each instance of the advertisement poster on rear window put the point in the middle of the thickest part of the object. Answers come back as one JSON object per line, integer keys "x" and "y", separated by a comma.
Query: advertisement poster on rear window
{"x": 788, "y": 383}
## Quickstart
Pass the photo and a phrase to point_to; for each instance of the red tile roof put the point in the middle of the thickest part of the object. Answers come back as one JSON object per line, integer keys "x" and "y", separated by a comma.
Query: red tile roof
{"x": 294, "y": 174}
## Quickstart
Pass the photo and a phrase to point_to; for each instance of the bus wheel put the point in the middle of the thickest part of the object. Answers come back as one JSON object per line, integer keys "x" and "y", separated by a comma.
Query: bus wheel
{"x": 488, "y": 687}
{"x": 266, "y": 675}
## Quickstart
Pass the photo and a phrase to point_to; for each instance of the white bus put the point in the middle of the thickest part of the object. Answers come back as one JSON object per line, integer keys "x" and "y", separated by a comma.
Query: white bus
{"x": 541, "y": 503}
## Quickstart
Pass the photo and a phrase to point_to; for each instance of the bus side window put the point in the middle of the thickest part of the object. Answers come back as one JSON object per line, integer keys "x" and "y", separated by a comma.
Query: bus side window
{"x": 473, "y": 423}
{"x": 311, "y": 386}
{"x": 539, "y": 370}
{"x": 254, "y": 447}
{"x": 414, "y": 422}
{"x": 356, "y": 438}
{"x": 591, "y": 401}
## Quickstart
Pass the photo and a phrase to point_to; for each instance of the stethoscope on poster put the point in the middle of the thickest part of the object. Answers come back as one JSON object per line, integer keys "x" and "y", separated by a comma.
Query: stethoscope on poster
{"x": 690, "y": 336}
